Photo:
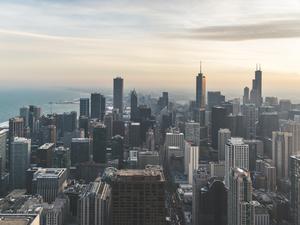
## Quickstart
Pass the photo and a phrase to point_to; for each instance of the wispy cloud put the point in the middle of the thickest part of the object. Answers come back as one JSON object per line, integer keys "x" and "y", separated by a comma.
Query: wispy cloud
{"x": 274, "y": 29}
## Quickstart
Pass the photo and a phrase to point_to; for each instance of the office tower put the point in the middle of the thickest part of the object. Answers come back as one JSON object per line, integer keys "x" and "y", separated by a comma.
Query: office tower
{"x": 192, "y": 132}
{"x": 3, "y": 149}
{"x": 260, "y": 213}
{"x": 249, "y": 111}
{"x": 118, "y": 128}
{"x": 144, "y": 201}
{"x": 135, "y": 134}
{"x": 80, "y": 150}
{"x": 223, "y": 136}
{"x": 200, "y": 90}
{"x": 49, "y": 182}
{"x": 118, "y": 94}
{"x": 236, "y": 106}
{"x": 117, "y": 147}
{"x": 24, "y": 113}
{"x": 108, "y": 122}
{"x": 84, "y": 108}
{"x": 95, "y": 105}
{"x": 214, "y": 98}
{"x": 69, "y": 122}
{"x": 267, "y": 123}
{"x": 98, "y": 106}
{"x": 281, "y": 151}
{"x": 19, "y": 161}
{"x": 163, "y": 101}
{"x": 16, "y": 128}
{"x": 217, "y": 169}
{"x": 212, "y": 203}
{"x": 48, "y": 134}
{"x": 99, "y": 143}
{"x": 93, "y": 204}
{"x": 239, "y": 194}
{"x": 61, "y": 157}
{"x": 200, "y": 178}
{"x": 218, "y": 121}
{"x": 133, "y": 106}
{"x": 102, "y": 107}
{"x": 150, "y": 140}
{"x": 256, "y": 149}
{"x": 293, "y": 127}
{"x": 256, "y": 92}
{"x": 269, "y": 171}
{"x": 295, "y": 188}
{"x": 246, "y": 99}
{"x": 192, "y": 156}
{"x": 34, "y": 115}
{"x": 84, "y": 125}
{"x": 26, "y": 218}
{"x": 175, "y": 138}
{"x": 236, "y": 155}
{"x": 44, "y": 155}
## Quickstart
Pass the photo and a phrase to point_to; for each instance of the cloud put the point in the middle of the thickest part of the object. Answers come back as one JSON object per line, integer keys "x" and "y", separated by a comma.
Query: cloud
{"x": 274, "y": 29}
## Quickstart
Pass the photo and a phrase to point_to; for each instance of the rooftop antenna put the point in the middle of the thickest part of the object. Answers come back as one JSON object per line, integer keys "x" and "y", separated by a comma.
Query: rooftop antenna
{"x": 200, "y": 67}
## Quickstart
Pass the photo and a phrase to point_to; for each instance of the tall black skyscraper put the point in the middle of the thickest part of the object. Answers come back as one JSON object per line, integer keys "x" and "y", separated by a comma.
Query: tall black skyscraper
{"x": 99, "y": 144}
{"x": 246, "y": 96}
{"x": 134, "y": 106}
{"x": 97, "y": 106}
{"x": 200, "y": 90}
{"x": 218, "y": 121}
{"x": 118, "y": 94}
{"x": 256, "y": 92}
{"x": 84, "y": 107}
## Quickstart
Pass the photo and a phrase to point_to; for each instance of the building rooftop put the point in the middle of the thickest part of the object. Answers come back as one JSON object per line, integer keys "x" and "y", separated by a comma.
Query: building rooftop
{"x": 149, "y": 174}
{"x": 21, "y": 140}
{"x": 236, "y": 141}
{"x": 18, "y": 219}
{"x": 49, "y": 172}
{"x": 46, "y": 146}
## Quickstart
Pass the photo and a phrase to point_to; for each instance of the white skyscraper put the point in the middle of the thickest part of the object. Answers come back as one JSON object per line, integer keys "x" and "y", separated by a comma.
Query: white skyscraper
{"x": 293, "y": 127}
{"x": 281, "y": 151}
{"x": 236, "y": 155}
{"x": 193, "y": 161}
{"x": 223, "y": 136}
{"x": 239, "y": 197}
{"x": 19, "y": 161}
{"x": 175, "y": 139}
{"x": 192, "y": 132}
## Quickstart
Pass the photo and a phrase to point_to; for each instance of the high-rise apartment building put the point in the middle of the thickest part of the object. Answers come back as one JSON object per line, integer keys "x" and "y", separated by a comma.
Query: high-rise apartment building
{"x": 239, "y": 197}
{"x": 236, "y": 155}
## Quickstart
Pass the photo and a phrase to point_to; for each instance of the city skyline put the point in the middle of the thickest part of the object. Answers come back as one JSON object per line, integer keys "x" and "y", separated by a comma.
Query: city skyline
{"x": 80, "y": 43}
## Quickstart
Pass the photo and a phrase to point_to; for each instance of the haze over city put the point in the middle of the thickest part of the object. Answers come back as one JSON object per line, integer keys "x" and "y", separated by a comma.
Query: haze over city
{"x": 157, "y": 43}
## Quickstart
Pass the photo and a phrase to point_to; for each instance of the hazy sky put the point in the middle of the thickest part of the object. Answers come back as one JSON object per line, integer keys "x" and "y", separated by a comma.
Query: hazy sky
{"x": 152, "y": 44}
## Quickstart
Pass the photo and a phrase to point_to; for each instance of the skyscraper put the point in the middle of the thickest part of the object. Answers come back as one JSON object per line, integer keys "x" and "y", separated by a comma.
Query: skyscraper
{"x": 192, "y": 132}
{"x": 135, "y": 134}
{"x": 200, "y": 90}
{"x": 143, "y": 202}
{"x": 293, "y": 127}
{"x": 249, "y": 111}
{"x": 19, "y": 161}
{"x": 133, "y": 106}
{"x": 84, "y": 107}
{"x": 93, "y": 204}
{"x": 236, "y": 155}
{"x": 281, "y": 151}
{"x": 256, "y": 92}
{"x": 246, "y": 99}
{"x": 295, "y": 188}
{"x": 118, "y": 94}
{"x": 99, "y": 143}
{"x": 239, "y": 196}
{"x": 223, "y": 136}
{"x": 218, "y": 121}
{"x": 95, "y": 105}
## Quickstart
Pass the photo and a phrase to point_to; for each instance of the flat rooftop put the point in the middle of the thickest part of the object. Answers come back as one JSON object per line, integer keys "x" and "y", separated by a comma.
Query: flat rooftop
{"x": 17, "y": 219}
{"x": 149, "y": 174}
